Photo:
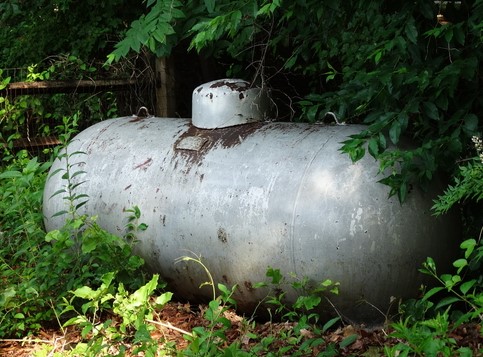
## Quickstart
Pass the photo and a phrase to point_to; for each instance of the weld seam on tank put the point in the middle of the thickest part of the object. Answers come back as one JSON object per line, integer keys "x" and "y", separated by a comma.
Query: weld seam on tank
{"x": 297, "y": 199}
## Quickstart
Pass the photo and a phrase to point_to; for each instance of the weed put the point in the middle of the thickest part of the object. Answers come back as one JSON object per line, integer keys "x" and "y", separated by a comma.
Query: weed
{"x": 133, "y": 226}
{"x": 428, "y": 328}
{"x": 134, "y": 310}
{"x": 209, "y": 340}
{"x": 38, "y": 268}
{"x": 301, "y": 337}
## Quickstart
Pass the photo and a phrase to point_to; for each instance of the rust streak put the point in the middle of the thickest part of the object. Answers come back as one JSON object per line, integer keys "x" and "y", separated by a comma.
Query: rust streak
{"x": 145, "y": 164}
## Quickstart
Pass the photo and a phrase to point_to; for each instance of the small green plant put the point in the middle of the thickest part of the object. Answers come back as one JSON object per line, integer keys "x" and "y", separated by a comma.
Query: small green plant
{"x": 303, "y": 312}
{"x": 209, "y": 340}
{"x": 468, "y": 183}
{"x": 309, "y": 296}
{"x": 101, "y": 335}
{"x": 429, "y": 337}
{"x": 467, "y": 291}
{"x": 133, "y": 226}
{"x": 40, "y": 268}
{"x": 21, "y": 304}
{"x": 426, "y": 327}
{"x": 212, "y": 340}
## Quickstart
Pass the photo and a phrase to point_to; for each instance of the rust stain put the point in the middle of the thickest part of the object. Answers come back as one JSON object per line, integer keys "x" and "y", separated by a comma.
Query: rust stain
{"x": 144, "y": 166}
{"x": 241, "y": 86}
{"x": 96, "y": 140}
{"x": 223, "y": 137}
{"x": 248, "y": 285}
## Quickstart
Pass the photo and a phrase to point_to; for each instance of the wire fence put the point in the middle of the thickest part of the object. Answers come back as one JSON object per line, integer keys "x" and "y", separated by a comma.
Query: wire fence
{"x": 32, "y": 111}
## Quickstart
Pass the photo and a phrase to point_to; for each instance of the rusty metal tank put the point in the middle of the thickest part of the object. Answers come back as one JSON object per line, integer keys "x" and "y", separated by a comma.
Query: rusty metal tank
{"x": 254, "y": 196}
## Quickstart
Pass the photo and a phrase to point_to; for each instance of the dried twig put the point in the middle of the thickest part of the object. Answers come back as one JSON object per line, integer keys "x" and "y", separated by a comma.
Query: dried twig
{"x": 168, "y": 325}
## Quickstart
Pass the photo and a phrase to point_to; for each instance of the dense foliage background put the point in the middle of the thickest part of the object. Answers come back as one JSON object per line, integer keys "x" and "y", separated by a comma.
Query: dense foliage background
{"x": 33, "y": 30}
{"x": 403, "y": 68}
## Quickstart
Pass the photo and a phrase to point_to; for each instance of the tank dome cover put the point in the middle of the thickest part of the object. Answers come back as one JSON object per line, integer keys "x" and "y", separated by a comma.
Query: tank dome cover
{"x": 228, "y": 102}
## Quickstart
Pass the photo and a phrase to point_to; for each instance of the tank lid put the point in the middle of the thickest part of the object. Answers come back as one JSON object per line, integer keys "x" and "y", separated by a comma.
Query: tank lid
{"x": 228, "y": 102}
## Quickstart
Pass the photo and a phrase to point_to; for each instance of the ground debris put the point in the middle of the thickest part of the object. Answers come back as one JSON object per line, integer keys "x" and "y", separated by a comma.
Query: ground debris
{"x": 176, "y": 320}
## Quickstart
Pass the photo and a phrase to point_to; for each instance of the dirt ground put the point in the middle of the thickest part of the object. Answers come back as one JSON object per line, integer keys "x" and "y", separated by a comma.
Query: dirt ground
{"x": 176, "y": 318}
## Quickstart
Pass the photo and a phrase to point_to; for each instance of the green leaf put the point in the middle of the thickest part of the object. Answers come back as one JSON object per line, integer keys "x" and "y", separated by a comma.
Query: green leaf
{"x": 448, "y": 34}
{"x": 307, "y": 302}
{"x": 382, "y": 141}
{"x": 60, "y": 213}
{"x": 378, "y": 56}
{"x": 142, "y": 226}
{"x": 432, "y": 346}
{"x": 53, "y": 235}
{"x": 447, "y": 301}
{"x": 260, "y": 285}
{"x": 432, "y": 292}
{"x": 349, "y": 340}
{"x": 10, "y": 174}
{"x": 86, "y": 330}
{"x": 459, "y": 34}
{"x": 210, "y": 5}
{"x": 465, "y": 287}
{"x": 329, "y": 324}
{"x": 430, "y": 110}
{"x": 79, "y": 205}
{"x": 460, "y": 264}
{"x": 275, "y": 275}
{"x": 470, "y": 125}
{"x": 468, "y": 245}
{"x": 395, "y": 131}
{"x": 163, "y": 299}
{"x": 373, "y": 147}
{"x": 411, "y": 31}
{"x": 89, "y": 244}
{"x": 357, "y": 154}
{"x": 85, "y": 292}
{"x": 430, "y": 264}
{"x": 77, "y": 173}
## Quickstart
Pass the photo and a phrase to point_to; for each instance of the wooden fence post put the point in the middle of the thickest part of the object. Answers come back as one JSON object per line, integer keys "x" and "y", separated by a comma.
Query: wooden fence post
{"x": 165, "y": 95}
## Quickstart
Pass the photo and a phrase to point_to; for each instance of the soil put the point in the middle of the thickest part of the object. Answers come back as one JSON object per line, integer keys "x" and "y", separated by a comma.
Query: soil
{"x": 175, "y": 319}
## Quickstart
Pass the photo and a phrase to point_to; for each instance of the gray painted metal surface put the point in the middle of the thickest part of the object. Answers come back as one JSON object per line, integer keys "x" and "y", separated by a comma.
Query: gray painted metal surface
{"x": 252, "y": 196}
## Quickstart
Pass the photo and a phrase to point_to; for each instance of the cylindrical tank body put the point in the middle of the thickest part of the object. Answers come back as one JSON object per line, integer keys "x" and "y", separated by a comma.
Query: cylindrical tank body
{"x": 250, "y": 197}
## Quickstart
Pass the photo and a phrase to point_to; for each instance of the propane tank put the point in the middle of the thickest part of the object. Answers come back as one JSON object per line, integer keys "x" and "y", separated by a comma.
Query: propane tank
{"x": 253, "y": 196}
